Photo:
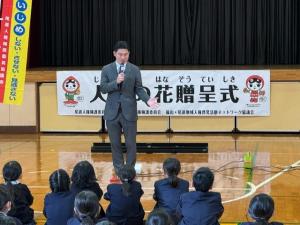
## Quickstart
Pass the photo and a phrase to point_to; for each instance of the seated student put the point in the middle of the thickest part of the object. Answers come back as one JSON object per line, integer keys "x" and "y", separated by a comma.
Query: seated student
{"x": 84, "y": 179}
{"x": 168, "y": 190}
{"x": 200, "y": 207}
{"x": 159, "y": 217}
{"x": 6, "y": 220}
{"x": 59, "y": 204}
{"x": 5, "y": 204}
{"x": 261, "y": 209}
{"x": 125, "y": 207}
{"x": 21, "y": 195}
{"x": 86, "y": 209}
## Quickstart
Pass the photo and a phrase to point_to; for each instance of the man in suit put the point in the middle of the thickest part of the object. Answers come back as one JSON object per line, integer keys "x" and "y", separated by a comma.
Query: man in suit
{"x": 122, "y": 81}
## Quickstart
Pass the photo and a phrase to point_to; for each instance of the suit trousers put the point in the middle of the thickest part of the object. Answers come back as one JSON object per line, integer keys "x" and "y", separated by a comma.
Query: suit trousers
{"x": 114, "y": 128}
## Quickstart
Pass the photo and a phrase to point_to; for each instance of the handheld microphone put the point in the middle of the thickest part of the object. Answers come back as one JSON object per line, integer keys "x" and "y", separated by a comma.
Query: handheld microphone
{"x": 121, "y": 70}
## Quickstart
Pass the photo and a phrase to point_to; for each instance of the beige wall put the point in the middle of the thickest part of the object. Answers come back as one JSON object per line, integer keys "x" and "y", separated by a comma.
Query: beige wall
{"x": 51, "y": 121}
{"x": 202, "y": 123}
{"x": 285, "y": 110}
{"x": 23, "y": 115}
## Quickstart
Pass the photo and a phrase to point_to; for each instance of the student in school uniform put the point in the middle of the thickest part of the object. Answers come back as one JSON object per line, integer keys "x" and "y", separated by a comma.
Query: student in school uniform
{"x": 261, "y": 209}
{"x": 59, "y": 204}
{"x": 200, "y": 207}
{"x": 167, "y": 191}
{"x": 21, "y": 195}
{"x": 5, "y": 206}
{"x": 84, "y": 179}
{"x": 125, "y": 207}
{"x": 86, "y": 209}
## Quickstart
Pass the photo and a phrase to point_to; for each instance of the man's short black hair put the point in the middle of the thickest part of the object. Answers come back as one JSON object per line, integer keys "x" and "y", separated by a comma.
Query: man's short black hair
{"x": 203, "y": 179}
{"x": 121, "y": 45}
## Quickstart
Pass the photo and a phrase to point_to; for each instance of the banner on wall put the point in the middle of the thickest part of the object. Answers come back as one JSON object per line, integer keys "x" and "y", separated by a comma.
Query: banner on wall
{"x": 14, "y": 36}
{"x": 179, "y": 93}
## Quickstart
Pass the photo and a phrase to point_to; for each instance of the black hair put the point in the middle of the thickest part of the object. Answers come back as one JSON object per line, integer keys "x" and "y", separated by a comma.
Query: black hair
{"x": 6, "y": 220}
{"x": 172, "y": 168}
{"x": 83, "y": 175}
{"x": 121, "y": 45}
{"x": 127, "y": 175}
{"x": 11, "y": 171}
{"x": 261, "y": 208}
{"x": 159, "y": 217}
{"x": 203, "y": 179}
{"x": 4, "y": 196}
{"x": 59, "y": 181}
{"x": 86, "y": 207}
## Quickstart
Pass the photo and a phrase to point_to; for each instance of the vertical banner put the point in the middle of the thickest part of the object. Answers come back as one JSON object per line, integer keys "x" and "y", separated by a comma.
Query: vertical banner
{"x": 14, "y": 36}
{"x": 6, "y": 8}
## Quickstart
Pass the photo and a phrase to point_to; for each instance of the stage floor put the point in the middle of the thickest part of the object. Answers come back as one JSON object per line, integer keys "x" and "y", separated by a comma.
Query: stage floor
{"x": 41, "y": 154}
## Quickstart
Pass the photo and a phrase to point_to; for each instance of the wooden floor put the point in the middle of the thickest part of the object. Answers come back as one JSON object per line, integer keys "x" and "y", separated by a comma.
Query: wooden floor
{"x": 42, "y": 154}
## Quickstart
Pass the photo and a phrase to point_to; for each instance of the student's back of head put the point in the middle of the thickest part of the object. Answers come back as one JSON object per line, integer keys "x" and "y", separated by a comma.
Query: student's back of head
{"x": 127, "y": 175}
{"x": 59, "y": 181}
{"x": 159, "y": 217}
{"x": 261, "y": 208}
{"x": 172, "y": 168}
{"x": 203, "y": 179}
{"x": 11, "y": 171}
{"x": 83, "y": 174}
{"x": 86, "y": 207}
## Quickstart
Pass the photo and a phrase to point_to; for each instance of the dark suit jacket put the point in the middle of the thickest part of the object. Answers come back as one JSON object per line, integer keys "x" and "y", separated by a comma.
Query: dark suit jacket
{"x": 200, "y": 208}
{"x": 122, "y": 95}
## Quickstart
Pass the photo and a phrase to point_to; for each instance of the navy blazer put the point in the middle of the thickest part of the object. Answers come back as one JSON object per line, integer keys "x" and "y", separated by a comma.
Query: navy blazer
{"x": 254, "y": 223}
{"x": 58, "y": 207}
{"x": 166, "y": 196}
{"x": 200, "y": 208}
{"x": 125, "y": 209}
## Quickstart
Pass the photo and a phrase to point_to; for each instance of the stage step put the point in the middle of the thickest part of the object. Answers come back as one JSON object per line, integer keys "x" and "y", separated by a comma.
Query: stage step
{"x": 157, "y": 147}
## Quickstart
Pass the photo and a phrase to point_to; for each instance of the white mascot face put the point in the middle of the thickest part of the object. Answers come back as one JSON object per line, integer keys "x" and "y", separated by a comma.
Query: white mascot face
{"x": 255, "y": 84}
{"x": 71, "y": 85}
